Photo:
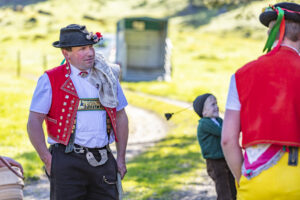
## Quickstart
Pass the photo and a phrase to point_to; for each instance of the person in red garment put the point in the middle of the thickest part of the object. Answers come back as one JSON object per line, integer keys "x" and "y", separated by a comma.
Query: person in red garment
{"x": 83, "y": 105}
{"x": 264, "y": 105}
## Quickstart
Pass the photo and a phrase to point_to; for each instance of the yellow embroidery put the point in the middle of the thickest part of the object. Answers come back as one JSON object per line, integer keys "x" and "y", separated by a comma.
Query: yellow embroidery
{"x": 89, "y": 105}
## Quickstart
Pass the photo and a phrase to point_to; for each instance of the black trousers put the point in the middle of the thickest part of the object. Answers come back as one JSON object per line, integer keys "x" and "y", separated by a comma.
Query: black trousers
{"x": 72, "y": 178}
{"x": 219, "y": 171}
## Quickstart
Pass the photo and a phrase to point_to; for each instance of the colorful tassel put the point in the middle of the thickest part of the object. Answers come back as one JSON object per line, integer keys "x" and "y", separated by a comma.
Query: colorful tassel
{"x": 278, "y": 27}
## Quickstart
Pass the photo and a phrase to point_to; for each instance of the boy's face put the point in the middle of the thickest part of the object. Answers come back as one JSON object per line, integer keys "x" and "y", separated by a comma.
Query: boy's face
{"x": 210, "y": 108}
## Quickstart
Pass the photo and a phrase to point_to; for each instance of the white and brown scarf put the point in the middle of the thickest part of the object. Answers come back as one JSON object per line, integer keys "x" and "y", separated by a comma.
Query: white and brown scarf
{"x": 104, "y": 76}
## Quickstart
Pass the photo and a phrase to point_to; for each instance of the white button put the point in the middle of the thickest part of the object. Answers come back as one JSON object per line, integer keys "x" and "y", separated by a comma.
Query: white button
{"x": 63, "y": 110}
{"x": 67, "y": 96}
{"x": 67, "y": 75}
{"x": 65, "y": 103}
{"x": 61, "y": 117}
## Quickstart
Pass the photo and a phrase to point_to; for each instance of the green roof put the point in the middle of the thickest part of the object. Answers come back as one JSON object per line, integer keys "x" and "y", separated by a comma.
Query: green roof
{"x": 142, "y": 23}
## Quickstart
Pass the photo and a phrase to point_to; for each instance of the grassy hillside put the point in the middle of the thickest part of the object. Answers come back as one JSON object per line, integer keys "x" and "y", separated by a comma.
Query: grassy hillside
{"x": 208, "y": 44}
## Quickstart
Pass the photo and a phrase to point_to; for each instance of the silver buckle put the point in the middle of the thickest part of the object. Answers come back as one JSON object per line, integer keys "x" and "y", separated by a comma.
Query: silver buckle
{"x": 92, "y": 160}
{"x": 78, "y": 149}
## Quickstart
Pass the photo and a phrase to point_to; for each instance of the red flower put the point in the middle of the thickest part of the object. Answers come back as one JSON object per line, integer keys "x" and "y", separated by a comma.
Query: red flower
{"x": 99, "y": 35}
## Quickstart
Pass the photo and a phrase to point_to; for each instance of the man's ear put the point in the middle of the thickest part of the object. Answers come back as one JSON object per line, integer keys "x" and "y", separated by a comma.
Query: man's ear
{"x": 204, "y": 112}
{"x": 66, "y": 54}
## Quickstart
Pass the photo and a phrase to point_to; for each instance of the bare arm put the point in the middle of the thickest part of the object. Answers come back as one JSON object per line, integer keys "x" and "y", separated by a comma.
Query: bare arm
{"x": 230, "y": 142}
{"x": 37, "y": 137}
{"x": 12, "y": 162}
{"x": 122, "y": 135}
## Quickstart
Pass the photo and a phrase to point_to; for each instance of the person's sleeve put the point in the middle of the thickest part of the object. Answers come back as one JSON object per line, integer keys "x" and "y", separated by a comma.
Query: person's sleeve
{"x": 233, "y": 102}
{"x": 208, "y": 126}
{"x": 121, "y": 98}
{"x": 42, "y": 96}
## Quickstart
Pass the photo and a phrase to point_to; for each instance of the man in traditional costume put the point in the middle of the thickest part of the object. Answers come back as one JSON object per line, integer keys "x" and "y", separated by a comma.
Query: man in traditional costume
{"x": 264, "y": 104}
{"x": 83, "y": 105}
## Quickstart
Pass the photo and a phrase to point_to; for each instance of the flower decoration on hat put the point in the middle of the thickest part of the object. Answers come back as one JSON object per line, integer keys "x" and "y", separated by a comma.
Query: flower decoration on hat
{"x": 95, "y": 37}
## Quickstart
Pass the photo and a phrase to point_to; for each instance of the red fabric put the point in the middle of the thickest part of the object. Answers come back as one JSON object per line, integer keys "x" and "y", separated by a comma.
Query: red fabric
{"x": 83, "y": 73}
{"x": 61, "y": 116}
{"x": 269, "y": 92}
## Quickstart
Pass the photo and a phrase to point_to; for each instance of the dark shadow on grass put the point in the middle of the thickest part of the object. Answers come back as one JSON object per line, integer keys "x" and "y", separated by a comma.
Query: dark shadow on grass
{"x": 15, "y": 3}
{"x": 166, "y": 159}
{"x": 196, "y": 16}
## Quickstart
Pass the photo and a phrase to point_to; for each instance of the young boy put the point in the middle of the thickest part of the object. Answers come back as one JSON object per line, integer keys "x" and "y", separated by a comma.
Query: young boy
{"x": 209, "y": 138}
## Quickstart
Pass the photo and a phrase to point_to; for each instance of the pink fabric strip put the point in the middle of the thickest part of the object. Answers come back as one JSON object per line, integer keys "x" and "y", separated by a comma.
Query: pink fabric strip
{"x": 263, "y": 159}
{"x": 291, "y": 11}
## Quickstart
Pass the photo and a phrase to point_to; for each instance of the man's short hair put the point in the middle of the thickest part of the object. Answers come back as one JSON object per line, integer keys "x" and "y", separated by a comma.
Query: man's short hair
{"x": 292, "y": 30}
{"x": 67, "y": 48}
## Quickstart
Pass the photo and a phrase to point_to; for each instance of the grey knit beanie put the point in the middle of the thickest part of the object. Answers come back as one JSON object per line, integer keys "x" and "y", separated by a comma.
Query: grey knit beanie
{"x": 198, "y": 103}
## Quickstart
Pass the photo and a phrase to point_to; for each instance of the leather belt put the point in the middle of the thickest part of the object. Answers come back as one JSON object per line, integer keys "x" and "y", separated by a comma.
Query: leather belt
{"x": 81, "y": 149}
{"x": 293, "y": 156}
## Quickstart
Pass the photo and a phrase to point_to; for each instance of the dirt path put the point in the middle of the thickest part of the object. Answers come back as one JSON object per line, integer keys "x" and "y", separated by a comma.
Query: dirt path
{"x": 149, "y": 129}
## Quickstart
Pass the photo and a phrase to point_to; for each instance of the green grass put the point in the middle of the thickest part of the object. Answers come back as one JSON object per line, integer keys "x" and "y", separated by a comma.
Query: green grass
{"x": 172, "y": 163}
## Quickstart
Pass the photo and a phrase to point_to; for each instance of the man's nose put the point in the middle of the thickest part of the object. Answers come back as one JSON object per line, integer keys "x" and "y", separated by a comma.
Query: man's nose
{"x": 91, "y": 51}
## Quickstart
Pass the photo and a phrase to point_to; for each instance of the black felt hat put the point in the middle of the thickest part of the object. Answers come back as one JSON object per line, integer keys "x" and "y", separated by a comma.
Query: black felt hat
{"x": 269, "y": 14}
{"x": 73, "y": 35}
{"x": 198, "y": 103}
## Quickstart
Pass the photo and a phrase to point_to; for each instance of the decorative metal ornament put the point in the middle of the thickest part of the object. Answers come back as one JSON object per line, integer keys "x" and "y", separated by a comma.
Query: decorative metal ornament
{"x": 92, "y": 160}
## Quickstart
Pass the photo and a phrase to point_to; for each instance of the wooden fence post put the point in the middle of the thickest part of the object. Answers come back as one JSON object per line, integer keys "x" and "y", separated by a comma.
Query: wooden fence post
{"x": 18, "y": 64}
{"x": 44, "y": 62}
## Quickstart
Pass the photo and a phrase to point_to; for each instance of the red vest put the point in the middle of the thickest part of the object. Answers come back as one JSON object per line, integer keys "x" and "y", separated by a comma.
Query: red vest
{"x": 60, "y": 119}
{"x": 269, "y": 92}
